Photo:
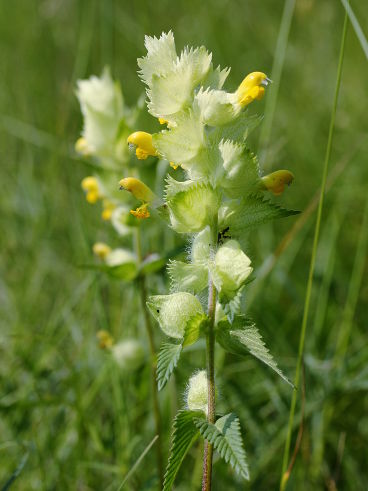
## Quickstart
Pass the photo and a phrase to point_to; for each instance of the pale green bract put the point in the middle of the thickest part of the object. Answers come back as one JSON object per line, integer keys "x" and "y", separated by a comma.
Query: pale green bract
{"x": 172, "y": 312}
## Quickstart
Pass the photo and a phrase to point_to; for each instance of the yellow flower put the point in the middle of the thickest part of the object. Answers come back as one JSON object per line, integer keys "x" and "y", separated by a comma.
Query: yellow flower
{"x": 81, "y": 147}
{"x": 162, "y": 120}
{"x": 101, "y": 250}
{"x": 142, "y": 142}
{"x": 91, "y": 188}
{"x": 138, "y": 189}
{"x": 174, "y": 166}
{"x": 108, "y": 208}
{"x": 251, "y": 88}
{"x": 105, "y": 340}
{"x": 141, "y": 212}
{"x": 275, "y": 182}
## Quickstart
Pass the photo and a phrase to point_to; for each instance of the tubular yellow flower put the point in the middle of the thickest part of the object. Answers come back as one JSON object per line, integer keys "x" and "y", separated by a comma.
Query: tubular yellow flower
{"x": 81, "y": 146}
{"x": 141, "y": 212}
{"x": 251, "y": 88}
{"x": 276, "y": 181}
{"x": 142, "y": 142}
{"x": 108, "y": 208}
{"x": 101, "y": 250}
{"x": 138, "y": 189}
{"x": 90, "y": 187}
{"x": 105, "y": 340}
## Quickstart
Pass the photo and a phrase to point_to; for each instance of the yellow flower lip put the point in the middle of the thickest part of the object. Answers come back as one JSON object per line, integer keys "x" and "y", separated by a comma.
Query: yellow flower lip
{"x": 141, "y": 212}
{"x": 138, "y": 189}
{"x": 276, "y": 181}
{"x": 252, "y": 87}
{"x": 142, "y": 142}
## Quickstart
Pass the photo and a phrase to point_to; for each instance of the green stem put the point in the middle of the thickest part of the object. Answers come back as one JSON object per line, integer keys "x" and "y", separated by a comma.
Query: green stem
{"x": 210, "y": 357}
{"x": 148, "y": 326}
{"x": 285, "y": 474}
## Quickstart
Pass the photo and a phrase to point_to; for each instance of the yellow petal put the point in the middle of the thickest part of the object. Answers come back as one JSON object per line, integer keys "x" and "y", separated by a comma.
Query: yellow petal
{"x": 138, "y": 189}
{"x": 251, "y": 88}
{"x": 276, "y": 181}
{"x": 143, "y": 143}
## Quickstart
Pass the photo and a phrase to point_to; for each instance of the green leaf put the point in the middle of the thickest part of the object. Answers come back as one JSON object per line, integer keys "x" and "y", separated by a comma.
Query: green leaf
{"x": 184, "y": 435}
{"x": 248, "y": 214}
{"x": 242, "y": 337}
{"x": 193, "y": 329}
{"x": 226, "y": 438}
{"x": 167, "y": 360}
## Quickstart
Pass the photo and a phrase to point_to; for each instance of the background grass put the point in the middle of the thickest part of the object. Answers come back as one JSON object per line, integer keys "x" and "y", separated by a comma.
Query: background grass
{"x": 68, "y": 418}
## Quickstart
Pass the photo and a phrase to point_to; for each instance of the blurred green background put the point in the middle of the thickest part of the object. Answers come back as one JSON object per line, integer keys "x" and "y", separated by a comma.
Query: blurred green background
{"x": 68, "y": 418}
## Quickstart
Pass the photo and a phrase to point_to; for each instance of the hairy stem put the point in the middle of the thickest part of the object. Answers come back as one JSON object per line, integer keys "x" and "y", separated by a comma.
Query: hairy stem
{"x": 148, "y": 326}
{"x": 210, "y": 357}
{"x": 285, "y": 474}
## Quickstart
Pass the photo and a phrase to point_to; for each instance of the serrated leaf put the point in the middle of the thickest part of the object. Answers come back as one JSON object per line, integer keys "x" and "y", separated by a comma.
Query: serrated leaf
{"x": 226, "y": 438}
{"x": 249, "y": 213}
{"x": 194, "y": 328}
{"x": 167, "y": 361}
{"x": 184, "y": 435}
{"x": 231, "y": 304}
{"x": 243, "y": 338}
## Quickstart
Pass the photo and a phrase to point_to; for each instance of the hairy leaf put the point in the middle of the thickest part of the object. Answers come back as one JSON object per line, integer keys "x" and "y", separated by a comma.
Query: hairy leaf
{"x": 167, "y": 360}
{"x": 226, "y": 438}
{"x": 242, "y": 338}
{"x": 251, "y": 212}
{"x": 184, "y": 435}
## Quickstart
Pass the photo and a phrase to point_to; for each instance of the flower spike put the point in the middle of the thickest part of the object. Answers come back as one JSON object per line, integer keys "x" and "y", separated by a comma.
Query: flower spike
{"x": 252, "y": 87}
{"x": 142, "y": 142}
{"x": 275, "y": 182}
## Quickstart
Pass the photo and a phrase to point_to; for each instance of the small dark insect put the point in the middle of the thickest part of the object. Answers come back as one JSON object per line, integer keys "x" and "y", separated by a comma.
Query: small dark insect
{"x": 221, "y": 236}
{"x": 158, "y": 311}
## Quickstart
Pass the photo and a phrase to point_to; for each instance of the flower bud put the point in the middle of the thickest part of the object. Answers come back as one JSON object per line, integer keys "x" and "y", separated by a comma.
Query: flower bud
{"x": 197, "y": 392}
{"x": 142, "y": 142}
{"x": 251, "y": 88}
{"x": 101, "y": 250}
{"x": 232, "y": 267}
{"x": 173, "y": 311}
{"x": 275, "y": 182}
